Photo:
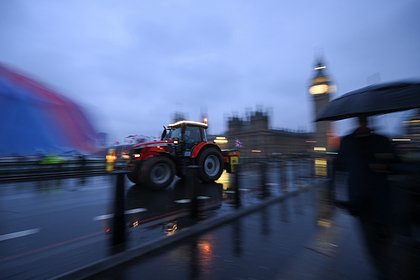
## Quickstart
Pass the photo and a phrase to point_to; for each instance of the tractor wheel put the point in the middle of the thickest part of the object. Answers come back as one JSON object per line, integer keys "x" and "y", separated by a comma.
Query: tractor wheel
{"x": 134, "y": 175}
{"x": 157, "y": 173}
{"x": 211, "y": 165}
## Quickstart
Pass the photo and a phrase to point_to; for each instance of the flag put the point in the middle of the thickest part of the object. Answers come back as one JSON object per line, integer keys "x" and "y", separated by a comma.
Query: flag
{"x": 238, "y": 143}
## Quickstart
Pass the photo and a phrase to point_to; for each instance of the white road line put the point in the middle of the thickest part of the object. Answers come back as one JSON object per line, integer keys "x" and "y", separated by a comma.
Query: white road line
{"x": 243, "y": 190}
{"x": 127, "y": 212}
{"x": 183, "y": 200}
{"x": 135, "y": 210}
{"x": 18, "y": 234}
{"x": 187, "y": 200}
{"x": 103, "y": 217}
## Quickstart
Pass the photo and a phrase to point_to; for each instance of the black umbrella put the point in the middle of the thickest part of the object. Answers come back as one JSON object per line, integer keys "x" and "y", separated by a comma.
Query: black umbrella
{"x": 373, "y": 100}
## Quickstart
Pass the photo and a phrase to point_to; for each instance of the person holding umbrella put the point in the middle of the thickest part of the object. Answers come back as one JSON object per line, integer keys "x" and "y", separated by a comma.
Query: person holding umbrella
{"x": 369, "y": 158}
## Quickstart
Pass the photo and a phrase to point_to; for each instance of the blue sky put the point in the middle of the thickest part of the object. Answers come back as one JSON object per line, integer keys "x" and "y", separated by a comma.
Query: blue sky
{"x": 133, "y": 64}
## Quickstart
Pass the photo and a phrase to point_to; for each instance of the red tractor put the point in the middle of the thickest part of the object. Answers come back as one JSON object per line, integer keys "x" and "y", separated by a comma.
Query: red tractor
{"x": 184, "y": 143}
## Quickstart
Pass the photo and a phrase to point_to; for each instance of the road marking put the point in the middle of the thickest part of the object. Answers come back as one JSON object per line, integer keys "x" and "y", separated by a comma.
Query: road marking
{"x": 187, "y": 200}
{"x": 183, "y": 200}
{"x": 135, "y": 210}
{"x": 19, "y": 234}
{"x": 127, "y": 212}
{"x": 103, "y": 217}
{"x": 242, "y": 190}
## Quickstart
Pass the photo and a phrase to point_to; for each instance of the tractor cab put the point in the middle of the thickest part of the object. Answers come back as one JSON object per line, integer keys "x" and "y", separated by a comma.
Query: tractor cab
{"x": 186, "y": 135}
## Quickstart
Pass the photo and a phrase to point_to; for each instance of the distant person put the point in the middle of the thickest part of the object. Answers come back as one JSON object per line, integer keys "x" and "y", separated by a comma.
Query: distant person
{"x": 367, "y": 158}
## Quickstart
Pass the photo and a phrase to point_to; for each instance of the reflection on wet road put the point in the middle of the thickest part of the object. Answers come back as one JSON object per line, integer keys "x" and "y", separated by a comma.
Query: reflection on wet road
{"x": 235, "y": 250}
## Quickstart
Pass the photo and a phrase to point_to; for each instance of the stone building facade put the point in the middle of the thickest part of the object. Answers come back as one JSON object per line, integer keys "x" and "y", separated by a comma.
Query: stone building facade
{"x": 258, "y": 139}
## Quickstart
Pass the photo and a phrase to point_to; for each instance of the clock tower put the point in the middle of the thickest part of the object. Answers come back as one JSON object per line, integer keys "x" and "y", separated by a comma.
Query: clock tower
{"x": 320, "y": 90}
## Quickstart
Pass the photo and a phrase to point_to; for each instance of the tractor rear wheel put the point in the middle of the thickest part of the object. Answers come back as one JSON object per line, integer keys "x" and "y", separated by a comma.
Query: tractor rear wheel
{"x": 211, "y": 165}
{"x": 157, "y": 173}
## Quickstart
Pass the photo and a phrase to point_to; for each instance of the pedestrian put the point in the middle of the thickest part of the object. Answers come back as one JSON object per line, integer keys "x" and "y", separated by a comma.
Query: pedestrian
{"x": 367, "y": 158}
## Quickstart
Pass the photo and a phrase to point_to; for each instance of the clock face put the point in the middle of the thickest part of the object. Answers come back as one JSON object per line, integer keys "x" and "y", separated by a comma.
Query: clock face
{"x": 319, "y": 89}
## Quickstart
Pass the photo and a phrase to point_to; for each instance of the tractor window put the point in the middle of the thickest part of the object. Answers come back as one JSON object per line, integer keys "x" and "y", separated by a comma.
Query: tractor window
{"x": 192, "y": 135}
{"x": 174, "y": 133}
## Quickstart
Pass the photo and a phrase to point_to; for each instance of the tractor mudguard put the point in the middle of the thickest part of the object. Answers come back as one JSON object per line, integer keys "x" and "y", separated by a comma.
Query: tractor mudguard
{"x": 199, "y": 147}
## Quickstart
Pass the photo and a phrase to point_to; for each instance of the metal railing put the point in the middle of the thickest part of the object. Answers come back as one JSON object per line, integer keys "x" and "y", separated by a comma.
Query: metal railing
{"x": 24, "y": 169}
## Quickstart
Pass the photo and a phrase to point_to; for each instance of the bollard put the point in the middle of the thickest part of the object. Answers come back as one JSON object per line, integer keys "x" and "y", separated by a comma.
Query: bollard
{"x": 237, "y": 196}
{"x": 192, "y": 173}
{"x": 118, "y": 227}
{"x": 263, "y": 183}
{"x": 331, "y": 167}
{"x": 312, "y": 167}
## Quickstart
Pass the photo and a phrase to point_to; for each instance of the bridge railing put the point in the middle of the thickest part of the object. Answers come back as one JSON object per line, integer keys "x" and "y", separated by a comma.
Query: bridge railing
{"x": 20, "y": 169}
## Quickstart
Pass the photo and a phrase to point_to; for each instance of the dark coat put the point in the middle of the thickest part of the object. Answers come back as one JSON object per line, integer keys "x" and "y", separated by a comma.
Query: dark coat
{"x": 368, "y": 158}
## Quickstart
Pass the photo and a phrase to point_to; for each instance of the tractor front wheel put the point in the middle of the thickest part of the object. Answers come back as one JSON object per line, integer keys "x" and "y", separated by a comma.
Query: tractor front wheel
{"x": 133, "y": 175}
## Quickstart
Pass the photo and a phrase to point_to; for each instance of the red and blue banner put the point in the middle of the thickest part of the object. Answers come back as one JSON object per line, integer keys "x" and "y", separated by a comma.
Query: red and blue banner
{"x": 36, "y": 120}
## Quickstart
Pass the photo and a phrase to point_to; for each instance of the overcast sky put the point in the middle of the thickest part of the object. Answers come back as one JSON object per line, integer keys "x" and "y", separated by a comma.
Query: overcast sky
{"x": 133, "y": 64}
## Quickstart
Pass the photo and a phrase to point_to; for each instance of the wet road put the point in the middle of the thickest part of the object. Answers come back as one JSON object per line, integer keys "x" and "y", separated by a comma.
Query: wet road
{"x": 48, "y": 228}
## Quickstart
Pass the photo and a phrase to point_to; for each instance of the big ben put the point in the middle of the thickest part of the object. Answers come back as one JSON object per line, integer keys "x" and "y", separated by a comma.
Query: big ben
{"x": 320, "y": 90}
